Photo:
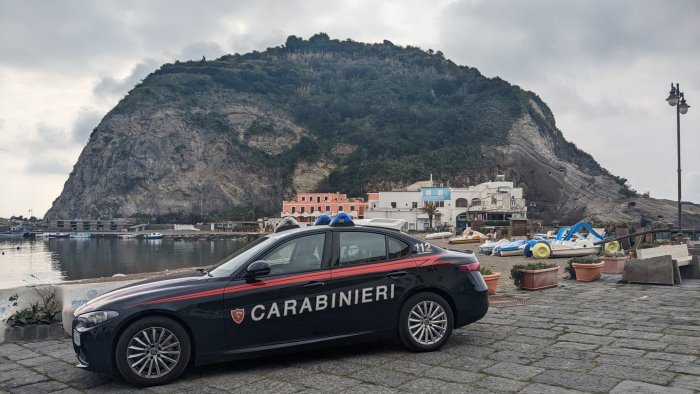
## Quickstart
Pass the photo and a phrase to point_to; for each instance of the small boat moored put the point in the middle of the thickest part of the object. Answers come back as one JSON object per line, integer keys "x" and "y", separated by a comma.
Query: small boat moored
{"x": 154, "y": 236}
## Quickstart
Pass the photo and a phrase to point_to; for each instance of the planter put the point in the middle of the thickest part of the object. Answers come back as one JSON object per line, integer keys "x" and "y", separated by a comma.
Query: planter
{"x": 588, "y": 272}
{"x": 539, "y": 279}
{"x": 34, "y": 332}
{"x": 614, "y": 265}
{"x": 492, "y": 282}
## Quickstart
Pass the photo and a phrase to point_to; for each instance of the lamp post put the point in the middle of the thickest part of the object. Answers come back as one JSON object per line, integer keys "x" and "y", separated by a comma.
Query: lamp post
{"x": 676, "y": 99}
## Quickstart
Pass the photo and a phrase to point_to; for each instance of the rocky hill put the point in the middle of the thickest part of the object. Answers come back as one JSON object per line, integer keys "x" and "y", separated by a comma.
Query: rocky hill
{"x": 234, "y": 136}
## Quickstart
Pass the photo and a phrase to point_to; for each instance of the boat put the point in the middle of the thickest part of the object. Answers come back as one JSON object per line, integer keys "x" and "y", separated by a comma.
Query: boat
{"x": 469, "y": 236}
{"x": 14, "y": 232}
{"x": 442, "y": 235}
{"x": 512, "y": 248}
{"x": 80, "y": 235}
{"x": 570, "y": 242}
{"x": 154, "y": 236}
{"x": 488, "y": 246}
{"x": 58, "y": 235}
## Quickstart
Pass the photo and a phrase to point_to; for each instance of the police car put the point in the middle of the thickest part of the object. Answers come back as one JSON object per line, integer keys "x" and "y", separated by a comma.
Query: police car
{"x": 332, "y": 283}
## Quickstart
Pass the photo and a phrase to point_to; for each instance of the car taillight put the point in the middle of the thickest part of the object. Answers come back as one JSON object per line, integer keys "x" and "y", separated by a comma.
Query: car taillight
{"x": 469, "y": 266}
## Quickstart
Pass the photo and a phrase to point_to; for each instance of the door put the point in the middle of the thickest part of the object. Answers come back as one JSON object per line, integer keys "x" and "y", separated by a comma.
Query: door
{"x": 289, "y": 304}
{"x": 370, "y": 273}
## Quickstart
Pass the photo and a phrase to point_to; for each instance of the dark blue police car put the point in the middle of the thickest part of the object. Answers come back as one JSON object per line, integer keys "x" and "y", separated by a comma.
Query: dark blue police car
{"x": 331, "y": 283}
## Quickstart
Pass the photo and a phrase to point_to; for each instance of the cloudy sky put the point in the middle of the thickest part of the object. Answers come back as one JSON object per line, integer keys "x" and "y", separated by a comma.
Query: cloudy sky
{"x": 604, "y": 67}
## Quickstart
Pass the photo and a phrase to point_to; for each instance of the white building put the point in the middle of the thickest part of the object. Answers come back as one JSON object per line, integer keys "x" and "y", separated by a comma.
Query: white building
{"x": 490, "y": 201}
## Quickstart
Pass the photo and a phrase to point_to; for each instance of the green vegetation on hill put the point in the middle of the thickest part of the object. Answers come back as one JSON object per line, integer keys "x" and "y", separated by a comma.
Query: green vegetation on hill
{"x": 410, "y": 112}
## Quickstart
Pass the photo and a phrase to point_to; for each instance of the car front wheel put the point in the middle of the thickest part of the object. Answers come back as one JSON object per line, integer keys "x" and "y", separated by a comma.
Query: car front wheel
{"x": 153, "y": 351}
{"x": 425, "y": 322}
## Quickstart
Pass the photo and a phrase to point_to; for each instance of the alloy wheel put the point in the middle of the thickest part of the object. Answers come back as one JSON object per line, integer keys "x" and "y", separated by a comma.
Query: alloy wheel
{"x": 427, "y": 322}
{"x": 153, "y": 352}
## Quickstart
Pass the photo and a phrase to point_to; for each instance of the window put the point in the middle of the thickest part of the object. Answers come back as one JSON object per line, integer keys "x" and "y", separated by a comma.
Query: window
{"x": 340, "y": 208}
{"x": 476, "y": 202}
{"x": 397, "y": 248}
{"x": 297, "y": 255}
{"x": 325, "y": 198}
{"x": 303, "y": 198}
{"x": 461, "y": 203}
{"x": 311, "y": 209}
{"x": 393, "y": 204}
{"x": 294, "y": 209}
{"x": 328, "y": 208}
{"x": 302, "y": 209}
{"x": 352, "y": 208}
{"x": 318, "y": 198}
{"x": 360, "y": 248}
{"x": 414, "y": 205}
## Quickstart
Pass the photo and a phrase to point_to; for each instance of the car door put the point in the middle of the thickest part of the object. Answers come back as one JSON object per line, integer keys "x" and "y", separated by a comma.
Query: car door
{"x": 370, "y": 273}
{"x": 286, "y": 305}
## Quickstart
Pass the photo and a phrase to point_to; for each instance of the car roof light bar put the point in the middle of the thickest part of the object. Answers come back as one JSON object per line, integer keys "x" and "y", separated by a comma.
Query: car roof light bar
{"x": 287, "y": 223}
{"x": 341, "y": 219}
{"x": 322, "y": 220}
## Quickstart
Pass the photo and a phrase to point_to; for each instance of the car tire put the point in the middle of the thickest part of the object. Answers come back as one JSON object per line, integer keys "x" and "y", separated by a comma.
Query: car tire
{"x": 153, "y": 351}
{"x": 425, "y": 322}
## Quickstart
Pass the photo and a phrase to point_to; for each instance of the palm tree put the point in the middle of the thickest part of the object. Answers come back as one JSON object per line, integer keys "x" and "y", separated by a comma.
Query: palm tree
{"x": 431, "y": 209}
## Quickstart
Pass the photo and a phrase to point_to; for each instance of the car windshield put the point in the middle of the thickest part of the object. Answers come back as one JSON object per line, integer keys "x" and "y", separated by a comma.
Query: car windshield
{"x": 231, "y": 263}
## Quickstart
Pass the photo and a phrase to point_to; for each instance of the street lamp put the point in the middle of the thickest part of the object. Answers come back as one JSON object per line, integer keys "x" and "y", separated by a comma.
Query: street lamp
{"x": 676, "y": 99}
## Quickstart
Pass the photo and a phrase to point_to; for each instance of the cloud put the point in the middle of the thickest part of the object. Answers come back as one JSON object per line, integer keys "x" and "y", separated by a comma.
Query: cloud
{"x": 43, "y": 165}
{"x": 86, "y": 121}
{"x": 114, "y": 87}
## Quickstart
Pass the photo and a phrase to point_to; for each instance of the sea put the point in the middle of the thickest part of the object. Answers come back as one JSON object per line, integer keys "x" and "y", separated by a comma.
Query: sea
{"x": 50, "y": 261}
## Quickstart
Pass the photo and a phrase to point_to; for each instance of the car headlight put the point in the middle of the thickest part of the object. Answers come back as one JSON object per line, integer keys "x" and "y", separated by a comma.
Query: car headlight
{"x": 91, "y": 319}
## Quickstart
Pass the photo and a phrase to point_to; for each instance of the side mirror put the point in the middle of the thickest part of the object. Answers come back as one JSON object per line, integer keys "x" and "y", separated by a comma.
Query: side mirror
{"x": 257, "y": 268}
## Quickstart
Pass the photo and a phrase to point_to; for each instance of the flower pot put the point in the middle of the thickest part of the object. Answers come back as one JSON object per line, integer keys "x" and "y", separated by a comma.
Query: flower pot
{"x": 539, "y": 279}
{"x": 588, "y": 272}
{"x": 492, "y": 282}
{"x": 614, "y": 265}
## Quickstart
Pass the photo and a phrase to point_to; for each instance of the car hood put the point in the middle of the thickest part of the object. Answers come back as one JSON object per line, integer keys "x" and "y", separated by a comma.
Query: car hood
{"x": 144, "y": 290}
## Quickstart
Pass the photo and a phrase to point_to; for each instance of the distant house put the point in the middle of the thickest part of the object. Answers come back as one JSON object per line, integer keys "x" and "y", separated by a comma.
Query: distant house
{"x": 306, "y": 207}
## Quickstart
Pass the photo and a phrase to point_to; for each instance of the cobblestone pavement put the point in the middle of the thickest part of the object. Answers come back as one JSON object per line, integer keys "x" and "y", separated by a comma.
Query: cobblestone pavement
{"x": 590, "y": 337}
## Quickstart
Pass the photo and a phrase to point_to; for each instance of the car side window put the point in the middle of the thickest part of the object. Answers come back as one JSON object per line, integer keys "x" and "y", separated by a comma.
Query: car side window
{"x": 297, "y": 255}
{"x": 361, "y": 248}
{"x": 397, "y": 248}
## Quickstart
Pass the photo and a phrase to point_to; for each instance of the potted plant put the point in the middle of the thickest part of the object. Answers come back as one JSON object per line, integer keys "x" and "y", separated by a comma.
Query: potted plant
{"x": 585, "y": 268}
{"x": 491, "y": 279}
{"x": 614, "y": 262}
{"x": 534, "y": 276}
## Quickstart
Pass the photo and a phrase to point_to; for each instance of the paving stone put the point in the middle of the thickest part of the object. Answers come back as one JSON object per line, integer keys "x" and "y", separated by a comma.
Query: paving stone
{"x": 369, "y": 389}
{"x": 34, "y": 361}
{"x": 679, "y": 358}
{"x": 687, "y": 381}
{"x": 564, "y": 363}
{"x": 515, "y": 346}
{"x": 693, "y": 342}
{"x": 620, "y": 351}
{"x": 270, "y": 386}
{"x": 633, "y": 361}
{"x": 636, "y": 334}
{"x": 69, "y": 390}
{"x": 537, "y": 333}
{"x": 21, "y": 377}
{"x": 682, "y": 349}
{"x": 453, "y": 375}
{"x": 576, "y": 380}
{"x": 570, "y": 328}
{"x": 409, "y": 367}
{"x": 327, "y": 383}
{"x": 633, "y": 327}
{"x": 539, "y": 388}
{"x": 513, "y": 371}
{"x": 472, "y": 351}
{"x": 640, "y": 344}
{"x": 633, "y": 373}
{"x": 629, "y": 386}
{"x": 286, "y": 373}
{"x": 692, "y": 369}
{"x": 382, "y": 377}
{"x": 576, "y": 345}
{"x": 585, "y": 338}
{"x": 424, "y": 385}
{"x": 469, "y": 363}
{"x": 515, "y": 357}
{"x": 42, "y": 387}
{"x": 367, "y": 359}
{"x": 500, "y": 384}
{"x": 432, "y": 358}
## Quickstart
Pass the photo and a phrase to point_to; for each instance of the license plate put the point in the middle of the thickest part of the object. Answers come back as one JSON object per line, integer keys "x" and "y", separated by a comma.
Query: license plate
{"x": 76, "y": 337}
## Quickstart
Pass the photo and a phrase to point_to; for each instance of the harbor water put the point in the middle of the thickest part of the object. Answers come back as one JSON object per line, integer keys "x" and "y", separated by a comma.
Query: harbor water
{"x": 25, "y": 262}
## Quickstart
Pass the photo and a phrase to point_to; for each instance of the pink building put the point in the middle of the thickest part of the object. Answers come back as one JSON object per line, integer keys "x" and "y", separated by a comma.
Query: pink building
{"x": 309, "y": 206}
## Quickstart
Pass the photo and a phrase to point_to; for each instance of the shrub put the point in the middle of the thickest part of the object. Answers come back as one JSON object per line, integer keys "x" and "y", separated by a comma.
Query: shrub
{"x": 517, "y": 275}
{"x": 619, "y": 253}
{"x": 40, "y": 312}
{"x": 485, "y": 271}
{"x": 592, "y": 259}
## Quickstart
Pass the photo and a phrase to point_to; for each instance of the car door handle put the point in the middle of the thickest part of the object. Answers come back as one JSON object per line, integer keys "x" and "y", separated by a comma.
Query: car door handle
{"x": 396, "y": 274}
{"x": 313, "y": 284}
